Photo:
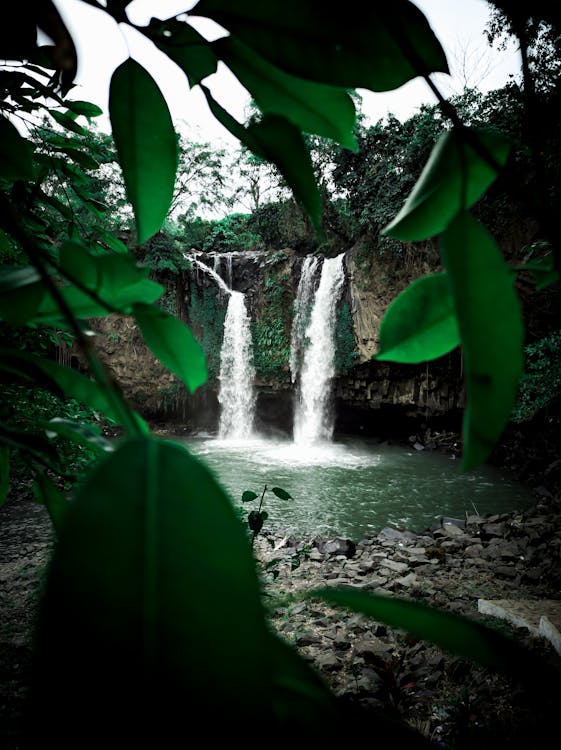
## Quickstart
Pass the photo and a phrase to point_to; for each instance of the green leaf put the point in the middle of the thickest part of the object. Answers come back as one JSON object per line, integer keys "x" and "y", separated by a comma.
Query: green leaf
{"x": 111, "y": 241}
{"x": 71, "y": 383}
{"x": 16, "y": 154}
{"x": 83, "y": 108}
{"x": 313, "y": 107}
{"x": 81, "y": 434}
{"x": 67, "y": 122}
{"x": 372, "y": 48}
{"x": 492, "y": 332}
{"x": 420, "y": 324}
{"x": 11, "y": 362}
{"x": 283, "y": 494}
{"x": 542, "y": 271}
{"x": 255, "y": 521}
{"x": 173, "y": 344}
{"x": 146, "y": 145}
{"x": 116, "y": 279}
{"x": 63, "y": 209}
{"x": 449, "y": 631}
{"x": 185, "y": 46}
{"x": 300, "y": 695}
{"x": 276, "y": 139}
{"x": 454, "y": 177}
{"x": 21, "y": 293}
{"x": 47, "y": 494}
{"x": 29, "y": 442}
{"x": 80, "y": 157}
{"x": 248, "y": 495}
{"x": 153, "y": 583}
{"x": 4, "y": 473}
{"x": 79, "y": 264}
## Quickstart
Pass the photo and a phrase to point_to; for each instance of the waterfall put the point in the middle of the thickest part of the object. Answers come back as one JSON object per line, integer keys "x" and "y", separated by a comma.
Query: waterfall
{"x": 302, "y": 308}
{"x": 236, "y": 394}
{"x": 313, "y": 421}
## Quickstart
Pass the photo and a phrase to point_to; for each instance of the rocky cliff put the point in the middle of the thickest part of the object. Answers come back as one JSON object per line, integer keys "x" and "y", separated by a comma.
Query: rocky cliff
{"x": 269, "y": 281}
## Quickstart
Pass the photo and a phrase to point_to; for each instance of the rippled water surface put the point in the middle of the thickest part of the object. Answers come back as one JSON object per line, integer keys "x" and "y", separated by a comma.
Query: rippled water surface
{"x": 355, "y": 487}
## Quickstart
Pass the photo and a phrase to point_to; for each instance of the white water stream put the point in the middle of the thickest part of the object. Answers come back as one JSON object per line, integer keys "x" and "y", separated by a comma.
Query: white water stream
{"x": 313, "y": 419}
{"x": 236, "y": 394}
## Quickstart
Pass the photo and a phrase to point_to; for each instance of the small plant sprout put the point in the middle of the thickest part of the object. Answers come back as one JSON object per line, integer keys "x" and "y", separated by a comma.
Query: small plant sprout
{"x": 256, "y": 518}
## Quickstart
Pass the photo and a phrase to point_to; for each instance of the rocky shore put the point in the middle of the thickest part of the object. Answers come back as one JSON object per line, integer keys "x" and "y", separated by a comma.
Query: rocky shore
{"x": 450, "y": 701}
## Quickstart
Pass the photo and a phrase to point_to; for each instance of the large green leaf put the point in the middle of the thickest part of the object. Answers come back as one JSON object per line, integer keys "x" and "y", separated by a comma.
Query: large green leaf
{"x": 313, "y": 107}
{"x": 454, "y": 177}
{"x": 16, "y": 162}
{"x": 87, "y": 109}
{"x": 146, "y": 145}
{"x": 492, "y": 332}
{"x": 26, "y": 441}
{"x": 185, "y": 46}
{"x": 420, "y": 324}
{"x": 81, "y": 434}
{"x": 152, "y": 601}
{"x": 449, "y": 631}
{"x": 21, "y": 293}
{"x": 47, "y": 493}
{"x": 69, "y": 381}
{"x": 274, "y": 138}
{"x": 67, "y": 122}
{"x": 377, "y": 46}
{"x": 115, "y": 279}
{"x": 173, "y": 344}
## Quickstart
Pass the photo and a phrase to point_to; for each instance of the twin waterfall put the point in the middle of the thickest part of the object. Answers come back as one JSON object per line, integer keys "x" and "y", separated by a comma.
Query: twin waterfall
{"x": 312, "y": 352}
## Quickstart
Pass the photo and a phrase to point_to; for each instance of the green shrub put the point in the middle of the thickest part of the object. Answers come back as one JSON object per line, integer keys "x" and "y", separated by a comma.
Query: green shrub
{"x": 541, "y": 381}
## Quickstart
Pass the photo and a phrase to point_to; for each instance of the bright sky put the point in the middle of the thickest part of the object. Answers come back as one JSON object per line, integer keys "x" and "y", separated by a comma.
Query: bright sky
{"x": 458, "y": 25}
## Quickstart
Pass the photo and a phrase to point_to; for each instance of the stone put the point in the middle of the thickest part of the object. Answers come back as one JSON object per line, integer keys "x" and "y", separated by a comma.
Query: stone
{"x": 308, "y": 639}
{"x": 397, "y": 567}
{"x": 371, "y": 648}
{"x": 407, "y": 581}
{"x": 328, "y": 662}
{"x": 395, "y": 534}
{"x": 339, "y": 546}
{"x": 473, "y": 550}
{"x": 451, "y": 530}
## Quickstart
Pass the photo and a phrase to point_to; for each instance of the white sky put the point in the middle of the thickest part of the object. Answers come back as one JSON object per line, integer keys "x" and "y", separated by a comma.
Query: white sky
{"x": 102, "y": 46}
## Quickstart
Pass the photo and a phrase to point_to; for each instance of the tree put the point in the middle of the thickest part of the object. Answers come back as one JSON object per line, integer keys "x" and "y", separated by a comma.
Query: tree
{"x": 152, "y": 601}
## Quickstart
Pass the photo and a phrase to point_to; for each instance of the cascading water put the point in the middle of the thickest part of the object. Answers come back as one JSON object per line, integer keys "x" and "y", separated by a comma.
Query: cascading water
{"x": 313, "y": 421}
{"x": 236, "y": 394}
{"x": 302, "y": 309}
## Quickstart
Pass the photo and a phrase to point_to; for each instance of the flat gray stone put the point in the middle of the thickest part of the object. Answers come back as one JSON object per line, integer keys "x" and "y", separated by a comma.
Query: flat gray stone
{"x": 397, "y": 567}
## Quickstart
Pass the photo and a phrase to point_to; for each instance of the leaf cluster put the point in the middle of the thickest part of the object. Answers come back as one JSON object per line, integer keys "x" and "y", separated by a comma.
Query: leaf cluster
{"x": 152, "y": 599}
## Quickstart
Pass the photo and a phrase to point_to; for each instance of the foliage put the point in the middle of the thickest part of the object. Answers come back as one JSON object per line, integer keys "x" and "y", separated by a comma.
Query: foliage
{"x": 152, "y": 597}
{"x": 207, "y": 314}
{"x": 346, "y": 353}
{"x": 271, "y": 332}
{"x": 541, "y": 382}
{"x": 231, "y": 234}
{"x": 256, "y": 518}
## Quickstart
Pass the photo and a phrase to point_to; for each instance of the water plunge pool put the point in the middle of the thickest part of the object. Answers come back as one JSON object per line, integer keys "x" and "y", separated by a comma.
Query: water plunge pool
{"x": 355, "y": 487}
